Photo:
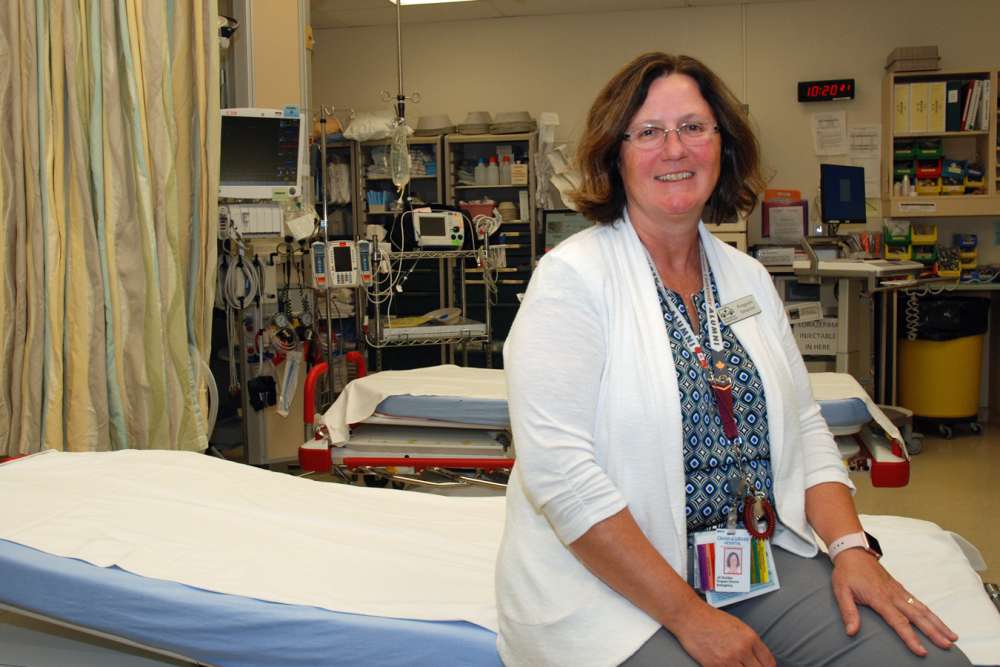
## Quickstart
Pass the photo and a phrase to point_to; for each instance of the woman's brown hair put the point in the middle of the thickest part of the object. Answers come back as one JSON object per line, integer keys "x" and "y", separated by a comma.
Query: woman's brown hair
{"x": 602, "y": 195}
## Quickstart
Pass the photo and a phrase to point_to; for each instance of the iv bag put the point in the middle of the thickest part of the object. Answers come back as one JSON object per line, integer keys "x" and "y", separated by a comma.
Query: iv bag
{"x": 399, "y": 156}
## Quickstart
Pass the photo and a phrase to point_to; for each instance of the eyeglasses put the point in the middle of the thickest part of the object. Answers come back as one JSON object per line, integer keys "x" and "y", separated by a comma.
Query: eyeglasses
{"x": 649, "y": 137}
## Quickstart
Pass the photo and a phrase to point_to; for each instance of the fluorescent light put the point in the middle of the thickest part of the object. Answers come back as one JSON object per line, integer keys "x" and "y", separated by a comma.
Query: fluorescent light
{"x": 426, "y": 2}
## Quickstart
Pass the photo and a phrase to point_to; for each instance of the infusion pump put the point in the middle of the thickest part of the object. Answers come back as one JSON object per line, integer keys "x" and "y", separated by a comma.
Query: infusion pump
{"x": 341, "y": 264}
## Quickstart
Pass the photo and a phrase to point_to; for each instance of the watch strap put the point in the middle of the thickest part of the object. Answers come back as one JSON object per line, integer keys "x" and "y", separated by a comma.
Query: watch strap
{"x": 858, "y": 540}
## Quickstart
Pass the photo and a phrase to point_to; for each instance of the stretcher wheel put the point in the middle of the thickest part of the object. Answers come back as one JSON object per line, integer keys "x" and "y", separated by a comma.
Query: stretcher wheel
{"x": 914, "y": 443}
{"x": 376, "y": 481}
{"x": 945, "y": 431}
{"x": 976, "y": 427}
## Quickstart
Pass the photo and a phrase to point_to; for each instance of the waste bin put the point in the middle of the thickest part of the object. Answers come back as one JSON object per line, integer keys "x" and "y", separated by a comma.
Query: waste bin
{"x": 940, "y": 359}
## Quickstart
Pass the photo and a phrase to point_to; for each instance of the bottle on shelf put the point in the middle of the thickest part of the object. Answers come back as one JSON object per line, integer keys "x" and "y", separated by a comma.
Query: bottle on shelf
{"x": 480, "y": 173}
{"x": 505, "y": 171}
{"x": 492, "y": 172}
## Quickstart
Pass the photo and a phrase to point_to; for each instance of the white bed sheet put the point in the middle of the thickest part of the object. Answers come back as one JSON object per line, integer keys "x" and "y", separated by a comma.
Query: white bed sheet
{"x": 239, "y": 530}
{"x": 360, "y": 398}
{"x": 834, "y": 386}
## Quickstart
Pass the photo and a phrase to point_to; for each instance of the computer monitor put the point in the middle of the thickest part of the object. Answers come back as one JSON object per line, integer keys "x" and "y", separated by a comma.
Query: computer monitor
{"x": 842, "y": 194}
{"x": 262, "y": 153}
{"x": 558, "y": 225}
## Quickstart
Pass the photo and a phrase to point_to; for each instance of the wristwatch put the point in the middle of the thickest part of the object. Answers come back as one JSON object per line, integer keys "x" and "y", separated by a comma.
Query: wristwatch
{"x": 859, "y": 540}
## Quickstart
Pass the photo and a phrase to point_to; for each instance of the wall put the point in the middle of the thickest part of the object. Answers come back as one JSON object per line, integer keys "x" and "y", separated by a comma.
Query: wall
{"x": 558, "y": 63}
{"x": 275, "y": 76}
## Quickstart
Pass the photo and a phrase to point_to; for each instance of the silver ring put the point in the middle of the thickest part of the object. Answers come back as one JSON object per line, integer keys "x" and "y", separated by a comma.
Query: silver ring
{"x": 909, "y": 600}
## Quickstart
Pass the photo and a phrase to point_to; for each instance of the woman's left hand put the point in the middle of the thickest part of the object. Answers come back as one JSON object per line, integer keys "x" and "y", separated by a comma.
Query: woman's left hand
{"x": 858, "y": 578}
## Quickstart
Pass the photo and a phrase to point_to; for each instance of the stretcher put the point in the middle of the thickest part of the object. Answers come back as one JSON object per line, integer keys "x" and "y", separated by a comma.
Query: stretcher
{"x": 449, "y": 421}
{"x": 397, "y": 423}
{"x": 868, "y": 438}
{"x": 232, "y": 565}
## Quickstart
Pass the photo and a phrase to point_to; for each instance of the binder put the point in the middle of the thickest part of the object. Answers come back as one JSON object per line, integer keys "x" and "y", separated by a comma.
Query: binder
{"x": 953, "y": 105}
{"x": 901, "y": 107}
{"x": 967, "y": 88}
{"x": 985, "y": 105}
{"x": 938, "y": 94}
{"x": 919, "y": 109}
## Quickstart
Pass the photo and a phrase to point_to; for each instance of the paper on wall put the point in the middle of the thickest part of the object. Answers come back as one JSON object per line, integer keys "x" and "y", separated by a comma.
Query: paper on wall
{"x": 830, "y": 132}
{"x": 865, "y": 150}
{"x": 786, "y": 224}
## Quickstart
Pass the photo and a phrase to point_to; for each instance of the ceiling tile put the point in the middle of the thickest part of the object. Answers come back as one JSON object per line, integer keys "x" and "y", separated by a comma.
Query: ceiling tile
{"x": 549, "y": 7}
{"x": 358, "y": 13}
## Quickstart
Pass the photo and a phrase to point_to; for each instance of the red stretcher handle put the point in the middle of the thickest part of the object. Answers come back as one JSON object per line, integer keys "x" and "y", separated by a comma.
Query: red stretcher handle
{"x": 309, "y": 394}
{"x": 421, "y": 463}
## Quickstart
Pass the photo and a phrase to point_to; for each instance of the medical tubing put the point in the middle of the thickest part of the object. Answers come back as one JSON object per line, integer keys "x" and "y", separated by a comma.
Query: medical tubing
{"x": 241, "y": 284}
{"x": 213, "y": 394}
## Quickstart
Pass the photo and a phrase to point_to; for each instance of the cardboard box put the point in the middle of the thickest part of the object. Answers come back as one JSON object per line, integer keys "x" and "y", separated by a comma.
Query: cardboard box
{"x": 915, "y": 65}
{"x": 518, "y": 174}
{"x": 911, "y": 53}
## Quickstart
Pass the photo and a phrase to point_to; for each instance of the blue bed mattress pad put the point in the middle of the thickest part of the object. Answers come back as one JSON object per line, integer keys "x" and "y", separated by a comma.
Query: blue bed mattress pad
{"x": 481, "y": 411}
{"x": 223, "y": 630}
{"x": 844, "y": 412}
{"x": 493, "y": 412}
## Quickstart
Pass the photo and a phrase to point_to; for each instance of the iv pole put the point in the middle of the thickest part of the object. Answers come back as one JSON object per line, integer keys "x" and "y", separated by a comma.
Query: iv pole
{"x": 326, "y": 242}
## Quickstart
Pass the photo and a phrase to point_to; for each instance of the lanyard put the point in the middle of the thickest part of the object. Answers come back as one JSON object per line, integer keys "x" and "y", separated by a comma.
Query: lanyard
{"x": 756, "y": 506}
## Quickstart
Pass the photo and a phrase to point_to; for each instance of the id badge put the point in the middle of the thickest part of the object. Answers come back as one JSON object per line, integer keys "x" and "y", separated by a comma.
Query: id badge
{"x": 732, "y": 560}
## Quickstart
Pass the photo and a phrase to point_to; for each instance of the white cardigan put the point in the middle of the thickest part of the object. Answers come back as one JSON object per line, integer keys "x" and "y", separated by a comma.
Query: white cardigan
{"x": 596, "y": 419}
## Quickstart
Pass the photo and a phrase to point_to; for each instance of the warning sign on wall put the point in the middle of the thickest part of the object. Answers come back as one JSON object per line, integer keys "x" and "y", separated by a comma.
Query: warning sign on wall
{"x": 818, "y": 337}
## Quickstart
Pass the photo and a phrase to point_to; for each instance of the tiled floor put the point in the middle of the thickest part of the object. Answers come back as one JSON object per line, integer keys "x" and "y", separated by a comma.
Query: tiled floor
{"x": 955, "y": 484}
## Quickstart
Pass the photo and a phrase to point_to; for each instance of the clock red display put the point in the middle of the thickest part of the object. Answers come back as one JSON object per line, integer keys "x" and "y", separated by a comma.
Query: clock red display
{"x": 822, "y": 91}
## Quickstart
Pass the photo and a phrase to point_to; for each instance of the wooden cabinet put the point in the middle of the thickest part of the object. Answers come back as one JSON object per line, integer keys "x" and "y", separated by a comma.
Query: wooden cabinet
{"x": 923, "y": 109}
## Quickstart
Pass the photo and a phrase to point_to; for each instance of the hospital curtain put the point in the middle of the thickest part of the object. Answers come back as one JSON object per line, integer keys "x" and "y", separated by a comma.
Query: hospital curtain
{"x": 108, "y": 178}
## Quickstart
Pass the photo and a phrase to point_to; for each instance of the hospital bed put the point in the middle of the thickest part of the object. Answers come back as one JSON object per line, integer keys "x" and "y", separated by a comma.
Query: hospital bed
{"x": 224, "y": 564}
{"x": 396, "y": 423}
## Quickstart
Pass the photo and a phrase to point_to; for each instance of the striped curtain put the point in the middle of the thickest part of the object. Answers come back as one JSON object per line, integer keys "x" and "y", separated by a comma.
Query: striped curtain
{"x": 109, "y": 117}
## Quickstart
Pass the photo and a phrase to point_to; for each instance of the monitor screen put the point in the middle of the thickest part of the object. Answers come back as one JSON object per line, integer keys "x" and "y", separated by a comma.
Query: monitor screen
{"x": 432, "y": 225}
{"x": 557, "y": 226}
{"x": 260, "y": 151}
{"x": 341, "y": 258}
{"x": 842, "y": 193}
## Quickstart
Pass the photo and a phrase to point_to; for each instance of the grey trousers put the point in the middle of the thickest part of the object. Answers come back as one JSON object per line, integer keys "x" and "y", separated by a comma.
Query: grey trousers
{"x": 800, "y": 623}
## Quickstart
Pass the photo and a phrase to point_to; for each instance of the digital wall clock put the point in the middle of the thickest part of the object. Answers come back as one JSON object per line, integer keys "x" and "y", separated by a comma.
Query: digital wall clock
{"x": 825, "y": 91}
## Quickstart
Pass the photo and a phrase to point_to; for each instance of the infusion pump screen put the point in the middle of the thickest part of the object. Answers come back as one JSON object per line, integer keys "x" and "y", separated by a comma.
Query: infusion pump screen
{"x": 259, "y": 151}
{"x": 432, "y": 226}
{"x": 341, "y": 259}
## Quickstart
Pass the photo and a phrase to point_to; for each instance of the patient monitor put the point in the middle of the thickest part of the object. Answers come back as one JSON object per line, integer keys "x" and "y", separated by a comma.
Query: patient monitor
{"x": 262, "y": 153}
{"x": 438, "y": 229}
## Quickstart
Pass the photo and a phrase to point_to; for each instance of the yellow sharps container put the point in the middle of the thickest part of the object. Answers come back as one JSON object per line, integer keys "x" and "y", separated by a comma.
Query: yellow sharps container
{"x": 940, "y": 379}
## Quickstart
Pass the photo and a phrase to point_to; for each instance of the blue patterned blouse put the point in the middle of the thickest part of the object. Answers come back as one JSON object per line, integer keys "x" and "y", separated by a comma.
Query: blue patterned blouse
{"x": 708, "y": 464}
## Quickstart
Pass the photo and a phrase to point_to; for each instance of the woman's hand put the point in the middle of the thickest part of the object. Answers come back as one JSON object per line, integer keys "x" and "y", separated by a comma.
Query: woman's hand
{"x": 859, "y": 579}
{"x": 716, "y": 639}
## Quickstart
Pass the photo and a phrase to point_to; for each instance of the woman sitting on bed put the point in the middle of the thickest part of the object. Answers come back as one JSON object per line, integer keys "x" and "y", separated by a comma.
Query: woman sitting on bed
{"x": 657, "y": 395}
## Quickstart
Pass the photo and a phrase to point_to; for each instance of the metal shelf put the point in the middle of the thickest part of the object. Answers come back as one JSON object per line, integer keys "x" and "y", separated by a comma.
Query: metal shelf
{"x": 488, "y": 187}
{"x": 389, "y": 178}
{"x": 434, "y": 254}
{"x": 416, "y": 341}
